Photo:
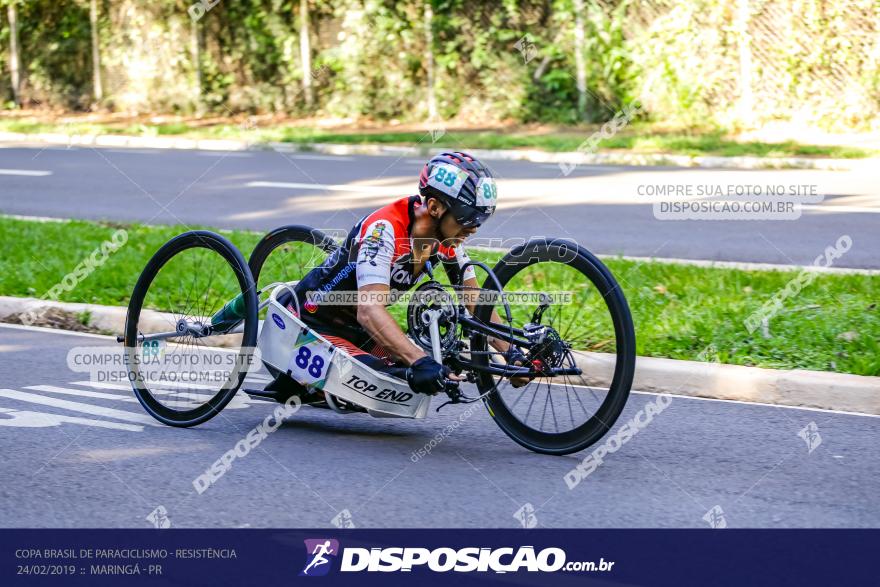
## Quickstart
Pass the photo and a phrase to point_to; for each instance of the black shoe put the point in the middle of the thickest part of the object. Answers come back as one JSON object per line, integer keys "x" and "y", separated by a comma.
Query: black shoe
{"x": 282, "y": 388}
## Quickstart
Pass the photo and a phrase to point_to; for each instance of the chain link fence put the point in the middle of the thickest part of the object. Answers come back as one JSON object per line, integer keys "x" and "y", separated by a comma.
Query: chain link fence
{"x": 746, "y": 62}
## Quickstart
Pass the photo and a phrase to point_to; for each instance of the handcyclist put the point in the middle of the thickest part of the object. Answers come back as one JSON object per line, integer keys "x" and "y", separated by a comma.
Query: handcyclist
{"x": 389, "y": 251}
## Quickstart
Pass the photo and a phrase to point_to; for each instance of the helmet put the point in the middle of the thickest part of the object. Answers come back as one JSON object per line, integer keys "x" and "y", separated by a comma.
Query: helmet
{"x": 463, "y": 184}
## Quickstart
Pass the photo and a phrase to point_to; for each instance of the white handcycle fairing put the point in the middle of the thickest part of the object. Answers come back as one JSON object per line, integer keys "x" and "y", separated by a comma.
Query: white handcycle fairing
{"x": 290, "y": 346}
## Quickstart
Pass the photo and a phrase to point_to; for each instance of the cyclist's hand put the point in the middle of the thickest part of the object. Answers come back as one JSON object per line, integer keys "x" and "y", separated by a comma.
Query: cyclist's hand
{"x": 515, "y": 357}
{"x": 428, "y": 376}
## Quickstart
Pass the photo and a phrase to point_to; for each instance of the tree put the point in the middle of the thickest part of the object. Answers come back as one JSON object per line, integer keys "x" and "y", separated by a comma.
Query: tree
{"x": 305, "y": 51}
{"x": 429, "y": 60}
{"x": 580, "y": 65}
{"x": 96, "y": 52}
{"x": 14, "y": 57}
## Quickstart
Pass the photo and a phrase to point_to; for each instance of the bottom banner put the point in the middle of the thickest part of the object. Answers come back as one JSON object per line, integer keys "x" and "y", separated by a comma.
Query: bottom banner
{"x": 468, "y": 557}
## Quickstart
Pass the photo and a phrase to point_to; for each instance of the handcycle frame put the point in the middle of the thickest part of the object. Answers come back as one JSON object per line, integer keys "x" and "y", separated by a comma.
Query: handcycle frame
{"x": 384, "y": 394}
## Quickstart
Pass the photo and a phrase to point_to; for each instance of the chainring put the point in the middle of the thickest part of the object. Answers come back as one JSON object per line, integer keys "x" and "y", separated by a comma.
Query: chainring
{"x": 432, "y": 296}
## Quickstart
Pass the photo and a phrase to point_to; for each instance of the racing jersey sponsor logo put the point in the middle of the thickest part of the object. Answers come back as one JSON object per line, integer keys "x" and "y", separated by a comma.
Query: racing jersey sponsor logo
{"x": 373, "y": 242}
{"x": 278, "y": 321}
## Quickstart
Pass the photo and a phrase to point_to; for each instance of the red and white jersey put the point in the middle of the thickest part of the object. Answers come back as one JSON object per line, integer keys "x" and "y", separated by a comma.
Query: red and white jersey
{"x": 377, "y": 250}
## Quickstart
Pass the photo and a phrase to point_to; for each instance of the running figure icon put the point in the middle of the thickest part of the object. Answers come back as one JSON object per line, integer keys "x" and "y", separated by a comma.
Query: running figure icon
{"x": 318, "y": 556}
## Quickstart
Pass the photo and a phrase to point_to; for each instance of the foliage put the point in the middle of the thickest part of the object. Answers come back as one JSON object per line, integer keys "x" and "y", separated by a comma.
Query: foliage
{"x": 705, "y": 63}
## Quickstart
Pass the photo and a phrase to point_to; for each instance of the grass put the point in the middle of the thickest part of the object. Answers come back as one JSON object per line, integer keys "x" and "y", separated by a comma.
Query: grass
{"x": 832, "y": 325}
{"x": 640, "y": 139}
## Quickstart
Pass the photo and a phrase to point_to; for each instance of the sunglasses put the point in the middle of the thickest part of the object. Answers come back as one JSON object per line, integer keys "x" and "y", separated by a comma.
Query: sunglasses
{"x": 469, "y": 217}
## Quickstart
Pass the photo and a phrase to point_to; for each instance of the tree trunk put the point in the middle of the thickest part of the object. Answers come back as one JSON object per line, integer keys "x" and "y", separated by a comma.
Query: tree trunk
{"x": 429, "y": 60}
{"x": 580, "y": 65}
{"x": 14, "y": 58}
{"x": 746, "y": 104}
{"x": 196, "y": 50}
{"x": 96, "y": 52}
{"x": 305, "y": 51}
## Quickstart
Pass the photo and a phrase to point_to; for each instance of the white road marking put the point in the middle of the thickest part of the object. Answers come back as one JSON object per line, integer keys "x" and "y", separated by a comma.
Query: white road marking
{"x": 126, "y": 387}
{"x": 28, "y": 419}
{"x": 47, "y": 330}
{"x": 223, "y": 154}
{"x": 82, "y": 393}
{"x": 181, "y": 399}
{"x": 584, "y": 167}
{"x": 135, "y": 151}
{"x": 762, "y": 404}
{"x": 79, "y": 407}
{"x": 322, "y": 157}
{"x": 25, "y": 172}
{"x": 367, "y": 189}
{"x": 841, "y": 209}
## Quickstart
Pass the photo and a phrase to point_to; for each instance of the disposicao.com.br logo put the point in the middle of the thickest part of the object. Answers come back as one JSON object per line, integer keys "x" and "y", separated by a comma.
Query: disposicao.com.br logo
{"x": 442, "y": 560}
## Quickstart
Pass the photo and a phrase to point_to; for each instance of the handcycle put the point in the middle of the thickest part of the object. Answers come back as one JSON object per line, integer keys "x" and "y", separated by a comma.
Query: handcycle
{"x": 197, "y": 299}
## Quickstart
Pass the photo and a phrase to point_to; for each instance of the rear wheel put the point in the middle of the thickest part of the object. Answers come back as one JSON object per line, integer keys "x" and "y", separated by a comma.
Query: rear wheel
{"x": 181, "y": 371}
{"x": 287, "y": 254}
{"x": 590, "y": 329}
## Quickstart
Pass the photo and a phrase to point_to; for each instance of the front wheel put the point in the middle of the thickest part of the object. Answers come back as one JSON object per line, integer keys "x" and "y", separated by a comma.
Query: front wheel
{"x": 183, "y": 368}
{"x": 560, "y": 285}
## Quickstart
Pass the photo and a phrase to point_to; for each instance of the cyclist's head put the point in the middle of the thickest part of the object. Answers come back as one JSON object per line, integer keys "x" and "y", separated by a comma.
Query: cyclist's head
{"x": 464, "y": 186}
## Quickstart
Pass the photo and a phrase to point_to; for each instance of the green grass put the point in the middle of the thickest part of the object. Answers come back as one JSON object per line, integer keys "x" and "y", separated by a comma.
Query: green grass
{"x": 832, "y": 325}
{"x": 641, "y": 139}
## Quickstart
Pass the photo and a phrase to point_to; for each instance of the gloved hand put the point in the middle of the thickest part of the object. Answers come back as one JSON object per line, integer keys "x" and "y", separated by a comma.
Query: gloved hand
{"x": 427, "y": 376}
{"x": 516, "y": 357}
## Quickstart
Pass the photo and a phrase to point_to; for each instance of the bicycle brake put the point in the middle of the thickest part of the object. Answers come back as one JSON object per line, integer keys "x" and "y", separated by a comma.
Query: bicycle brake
{"x": 453, "y": 390}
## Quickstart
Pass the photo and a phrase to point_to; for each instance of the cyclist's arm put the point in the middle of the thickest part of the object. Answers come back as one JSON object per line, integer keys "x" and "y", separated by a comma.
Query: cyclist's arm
{"x": 374, "y": 260}
{"x": 376, "y": 320}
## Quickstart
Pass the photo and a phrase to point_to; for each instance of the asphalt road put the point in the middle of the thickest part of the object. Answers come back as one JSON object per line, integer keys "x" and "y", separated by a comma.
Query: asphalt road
{"x": 602, "y": 207}
{"x": 77, "y": 455}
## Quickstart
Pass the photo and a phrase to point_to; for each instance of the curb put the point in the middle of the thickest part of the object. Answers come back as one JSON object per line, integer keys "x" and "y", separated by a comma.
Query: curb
{"x": 796, "y": 388}
{"x": 566, "y": 160}
{"x": 104, "y": 319}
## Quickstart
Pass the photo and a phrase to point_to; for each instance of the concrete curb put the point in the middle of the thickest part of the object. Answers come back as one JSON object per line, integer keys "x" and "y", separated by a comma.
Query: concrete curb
{"x": 533, "y": 155}
{"x": 797, "y": 388}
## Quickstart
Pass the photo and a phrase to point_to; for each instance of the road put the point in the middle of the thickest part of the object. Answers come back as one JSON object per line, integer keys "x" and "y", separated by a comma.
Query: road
{"x": 602, "y": 207}
{"x": 77, "y": 455}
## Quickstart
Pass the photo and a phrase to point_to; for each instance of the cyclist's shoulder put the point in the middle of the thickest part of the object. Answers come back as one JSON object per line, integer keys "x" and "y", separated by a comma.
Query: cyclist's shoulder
{"x": 395, "y": 217}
